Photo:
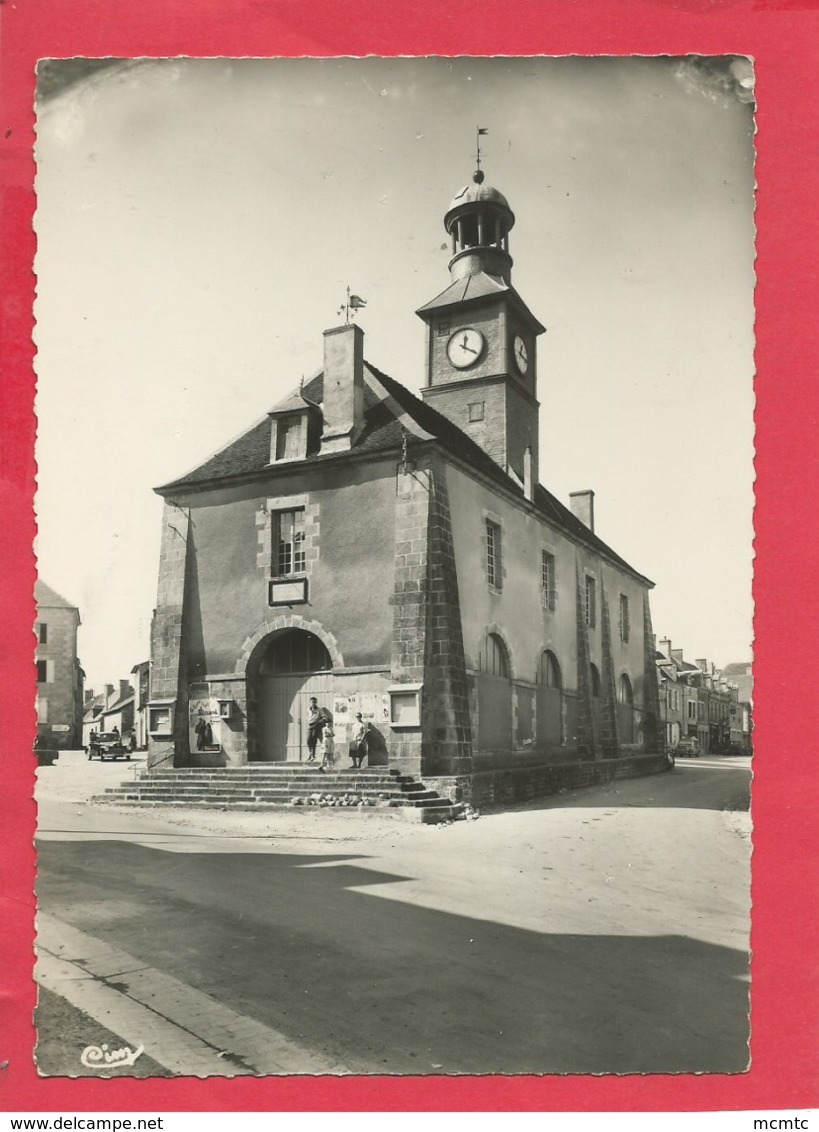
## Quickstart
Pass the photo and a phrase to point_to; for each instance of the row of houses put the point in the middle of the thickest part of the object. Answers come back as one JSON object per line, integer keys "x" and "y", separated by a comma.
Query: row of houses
{"x": 700, "y": 701}
{"x": 123, "y": 708}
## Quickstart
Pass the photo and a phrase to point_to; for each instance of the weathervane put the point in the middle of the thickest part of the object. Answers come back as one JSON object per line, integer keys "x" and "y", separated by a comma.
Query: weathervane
{"x": 478, "y": 177}
{"x": 354, "y": 303}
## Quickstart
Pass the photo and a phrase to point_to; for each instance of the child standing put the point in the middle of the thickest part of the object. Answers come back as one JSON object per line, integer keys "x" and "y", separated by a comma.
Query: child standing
{"x": 328, "y": 759}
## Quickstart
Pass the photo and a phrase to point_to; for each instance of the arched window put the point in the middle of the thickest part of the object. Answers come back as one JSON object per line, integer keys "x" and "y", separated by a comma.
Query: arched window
{"x": 294, "y": 650}
{"x": 549, "y": 675}
{"x": 624, "y": 692}
{"x": 595, "y": 682}
{"x": 493, "y": 659}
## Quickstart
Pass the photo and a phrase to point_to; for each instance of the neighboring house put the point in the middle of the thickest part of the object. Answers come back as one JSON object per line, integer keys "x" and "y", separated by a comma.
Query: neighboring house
{"x": 741, "y": 674}
{"x": 711, "y": 709}
{"x": 92, "y": 709}
{"x": 141, "y": 679}
{"x": 397, "y": 556}
{"x": 59, "y": 674}
{"x": 119, "y": 713}
{"x": 672, "y": 706}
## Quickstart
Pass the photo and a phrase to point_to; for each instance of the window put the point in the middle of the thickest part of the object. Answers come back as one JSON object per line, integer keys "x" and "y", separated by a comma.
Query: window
{"x": 443, "y": 328}
{"x": 42, "y": 709}
{"x": 289, "y": 543}
{"x": 624, "y": 693}
{"x": 624, "y": 619}
{"x": 493, "y": 554}
{"x": 547, "y": 578}
{"x": 591, "y": 602}
{"x": 692, "y": 710}
{"x": 476, "y": 410}
{"x": 549, "y": 674}
{"x": 42, "y": 633}
{"x": 493, "y": 659}
{"x": 42, "y": 671}
{"x": 289, "y": 437}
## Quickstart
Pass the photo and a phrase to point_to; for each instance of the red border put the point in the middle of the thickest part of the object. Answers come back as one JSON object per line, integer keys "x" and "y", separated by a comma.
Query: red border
{"x": 783, "y": 36}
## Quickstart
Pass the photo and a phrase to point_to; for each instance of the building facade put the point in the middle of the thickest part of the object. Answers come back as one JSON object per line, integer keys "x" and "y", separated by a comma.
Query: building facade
{"x": 59, "y": 674}
{"x": 397, "y": 556}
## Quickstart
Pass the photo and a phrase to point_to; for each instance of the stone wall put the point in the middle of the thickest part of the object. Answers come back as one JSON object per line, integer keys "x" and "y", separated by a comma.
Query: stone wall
{"x": 523, "y": 784}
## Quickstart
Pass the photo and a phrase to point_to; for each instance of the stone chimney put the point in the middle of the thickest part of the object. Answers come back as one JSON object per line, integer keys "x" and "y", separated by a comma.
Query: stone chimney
{"x": 343, "y": 405}
{"x": 88, "y": 696}
{"x": 665, "y": 647}
{"x": 676, "y": 655}
{"x": 582, "y": 504}
{"x": 109, "y": 694}
{"x": 125, "y": 689}
{"x": 703, "y": 664}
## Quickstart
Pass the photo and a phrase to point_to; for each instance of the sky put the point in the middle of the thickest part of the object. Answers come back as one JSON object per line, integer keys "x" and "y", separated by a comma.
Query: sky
{"x": 198, "y": 223}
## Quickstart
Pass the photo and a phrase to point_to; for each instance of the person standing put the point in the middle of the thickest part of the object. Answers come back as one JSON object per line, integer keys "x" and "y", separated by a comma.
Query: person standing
{"x": 328, "y": 759}
{"x": 315, "y": 724}
{"x": 358, "y": 741}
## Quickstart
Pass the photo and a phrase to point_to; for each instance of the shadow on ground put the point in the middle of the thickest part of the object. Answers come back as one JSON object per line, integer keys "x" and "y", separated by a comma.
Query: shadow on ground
{"x": 389, "y": 987}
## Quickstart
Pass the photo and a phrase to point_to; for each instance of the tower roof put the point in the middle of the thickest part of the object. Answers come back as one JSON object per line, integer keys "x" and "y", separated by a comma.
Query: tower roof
{"x": 478, "y": 192}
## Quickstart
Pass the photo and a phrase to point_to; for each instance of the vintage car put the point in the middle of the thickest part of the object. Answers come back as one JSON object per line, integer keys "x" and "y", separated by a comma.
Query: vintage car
{"x": 108, "y": 745}
{"x": 688, "y": 745}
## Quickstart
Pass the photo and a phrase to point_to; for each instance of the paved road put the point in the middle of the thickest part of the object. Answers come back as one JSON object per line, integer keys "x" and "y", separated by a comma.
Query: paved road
{"x": 602, "y": 931}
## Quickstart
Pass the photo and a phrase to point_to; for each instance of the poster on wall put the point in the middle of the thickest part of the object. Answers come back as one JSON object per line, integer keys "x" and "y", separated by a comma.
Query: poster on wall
{"x": 204, "y": 724}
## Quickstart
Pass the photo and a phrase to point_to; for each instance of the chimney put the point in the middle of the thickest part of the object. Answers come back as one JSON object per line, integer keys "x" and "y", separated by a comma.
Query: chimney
{"x": 343, "y": 405}
{"x": 89, "y": 695}
{"x": 665, "y": 647}
{"x": 528, "y": 478}
{"x": 109, "y": 694}
{"x": 676, "y": 655}
{"x": 582, "y": 503}
{"x": 125, "y": 689}
{"x": 703, "y": 664}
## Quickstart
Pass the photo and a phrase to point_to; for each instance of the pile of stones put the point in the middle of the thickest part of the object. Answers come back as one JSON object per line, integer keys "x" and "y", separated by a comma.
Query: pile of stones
{"x": 349, "y": 799}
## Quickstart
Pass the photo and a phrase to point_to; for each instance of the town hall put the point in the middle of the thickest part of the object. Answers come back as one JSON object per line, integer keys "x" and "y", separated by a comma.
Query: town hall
{"x": 397, "y": 557}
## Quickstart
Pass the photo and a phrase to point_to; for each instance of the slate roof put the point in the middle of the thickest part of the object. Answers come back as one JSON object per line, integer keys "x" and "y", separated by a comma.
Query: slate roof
{"x": 383, "y": 431}
{"x": 478, "y": 285}
{"x": 120, "y": 704}
{"x": 48, "y": 598}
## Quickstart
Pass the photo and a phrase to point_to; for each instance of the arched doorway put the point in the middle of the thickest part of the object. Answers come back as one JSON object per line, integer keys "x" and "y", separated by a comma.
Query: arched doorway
{"x": 625, "y": 709}
{"x": 549, "y": 700}
{"x": 494, "y": 695}
{"x": 293, "y": 666}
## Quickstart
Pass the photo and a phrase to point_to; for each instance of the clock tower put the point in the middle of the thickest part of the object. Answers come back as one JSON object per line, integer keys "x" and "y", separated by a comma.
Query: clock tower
{"x": 481, "y": 359}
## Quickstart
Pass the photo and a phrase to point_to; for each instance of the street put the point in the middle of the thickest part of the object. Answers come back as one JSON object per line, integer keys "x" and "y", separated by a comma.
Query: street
{"x": 603, "y": 930}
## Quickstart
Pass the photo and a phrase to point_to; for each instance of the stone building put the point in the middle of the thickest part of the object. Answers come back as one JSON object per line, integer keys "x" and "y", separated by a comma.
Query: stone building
{"x": 59, "y": 675}
{"x": 397, "y": 556}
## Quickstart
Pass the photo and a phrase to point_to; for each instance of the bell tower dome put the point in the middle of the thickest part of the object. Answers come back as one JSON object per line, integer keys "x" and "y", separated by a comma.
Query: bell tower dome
{"x": 481, "y": 347}
{"x": 478, "y": 220}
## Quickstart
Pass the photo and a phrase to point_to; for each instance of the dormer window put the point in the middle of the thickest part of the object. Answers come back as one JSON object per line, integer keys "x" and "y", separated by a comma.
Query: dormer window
{"x": 290, "y": 440}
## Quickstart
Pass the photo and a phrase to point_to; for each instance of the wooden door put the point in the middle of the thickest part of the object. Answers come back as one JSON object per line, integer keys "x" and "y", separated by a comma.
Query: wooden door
{"x": 284, "y": 706}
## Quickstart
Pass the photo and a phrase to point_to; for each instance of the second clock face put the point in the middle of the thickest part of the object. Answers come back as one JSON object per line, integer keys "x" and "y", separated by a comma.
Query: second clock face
{"x": 521, "y": 354}
{"x": 465, "y": 347}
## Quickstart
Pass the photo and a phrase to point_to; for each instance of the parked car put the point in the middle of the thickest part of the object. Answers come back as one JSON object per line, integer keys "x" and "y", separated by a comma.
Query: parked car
{"x": 689, "y": 746}
{"x": 108, "y": 745}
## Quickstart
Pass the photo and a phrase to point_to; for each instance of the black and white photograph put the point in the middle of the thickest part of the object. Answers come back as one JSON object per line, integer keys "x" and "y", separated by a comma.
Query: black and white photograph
{"x": 394, "y": 638}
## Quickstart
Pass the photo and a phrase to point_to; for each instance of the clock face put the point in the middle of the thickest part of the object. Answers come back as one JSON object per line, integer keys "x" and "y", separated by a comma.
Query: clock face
{"x": 465, "y": 347}
{"x": 521, "y": 354}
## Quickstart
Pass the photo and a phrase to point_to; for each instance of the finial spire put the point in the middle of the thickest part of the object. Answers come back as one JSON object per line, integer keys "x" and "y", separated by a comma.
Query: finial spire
{"x": 478, "y": 175}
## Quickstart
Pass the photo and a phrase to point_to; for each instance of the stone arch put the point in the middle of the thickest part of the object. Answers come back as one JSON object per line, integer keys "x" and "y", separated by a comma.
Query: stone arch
{"x": 260, "y": 637}
{"x": 496, "y": 630}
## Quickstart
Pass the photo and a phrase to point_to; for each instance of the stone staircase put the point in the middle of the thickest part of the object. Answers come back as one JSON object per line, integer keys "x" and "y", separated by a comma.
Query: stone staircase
{"x": 268, "y": 786}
